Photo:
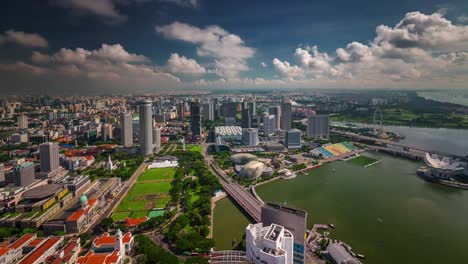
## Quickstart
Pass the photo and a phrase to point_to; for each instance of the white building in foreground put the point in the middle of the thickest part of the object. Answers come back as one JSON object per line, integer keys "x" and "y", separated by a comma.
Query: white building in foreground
{"x": 269, "y": 245}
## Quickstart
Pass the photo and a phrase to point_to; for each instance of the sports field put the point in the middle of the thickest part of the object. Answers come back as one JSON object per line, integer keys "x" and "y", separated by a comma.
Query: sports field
{"x": 157, "y": 174}
{"x": 362, "y": 161}
{"x": 150, "y": 191}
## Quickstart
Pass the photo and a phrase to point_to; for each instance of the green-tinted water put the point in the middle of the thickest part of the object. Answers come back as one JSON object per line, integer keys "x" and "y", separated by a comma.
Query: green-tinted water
{"x": 383, "y": 211}
{"x": 229, "y": 225}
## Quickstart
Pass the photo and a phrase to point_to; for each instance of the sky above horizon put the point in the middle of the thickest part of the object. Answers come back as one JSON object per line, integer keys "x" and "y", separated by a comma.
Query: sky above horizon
{"x": 138, "y": 46}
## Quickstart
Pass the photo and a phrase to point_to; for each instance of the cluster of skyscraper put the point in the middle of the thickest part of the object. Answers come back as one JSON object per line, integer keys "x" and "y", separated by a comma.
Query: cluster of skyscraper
{"x": 149, "y": 135}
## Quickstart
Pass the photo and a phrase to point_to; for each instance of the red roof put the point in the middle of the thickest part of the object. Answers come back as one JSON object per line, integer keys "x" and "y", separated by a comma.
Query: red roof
{"x": 22, "y": 241}
{"x": 107, "y": 239}
{"x": 33, "y": 256}
{"x": 3, "y": 250}
{"x": 75, "y": 216}
{"x": 135, "y": 221}
{"x": 92, "y": 258}
{"x": 68, "y": 251}
{"x": 126, "y": 239}
{"x": 35, "y": 242}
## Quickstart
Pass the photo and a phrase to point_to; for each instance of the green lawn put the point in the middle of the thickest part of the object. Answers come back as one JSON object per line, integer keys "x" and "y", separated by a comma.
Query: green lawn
{"x": 118, "y": 216}
{"x": 137, "y": 198}
{"x": 139, "y": 214}
{"x": 157, "y": 174}
{"x": 195, "y": 148}
{"x": 362, "y": 161}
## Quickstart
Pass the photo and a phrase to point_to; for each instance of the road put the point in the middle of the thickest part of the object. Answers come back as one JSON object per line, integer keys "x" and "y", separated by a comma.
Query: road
{"x": 245, "y": 199}
{"x": 127, "y": 185}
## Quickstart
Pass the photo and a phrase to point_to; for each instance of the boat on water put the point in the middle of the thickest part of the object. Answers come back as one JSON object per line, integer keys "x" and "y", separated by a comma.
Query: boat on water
{"x": 380, "y": 220}
{"x": 361, "y": 256}
{"x": 331, "y": 225}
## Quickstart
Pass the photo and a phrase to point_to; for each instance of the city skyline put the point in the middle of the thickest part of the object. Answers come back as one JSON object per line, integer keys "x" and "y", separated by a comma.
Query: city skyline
{"x": 142, "y": 46}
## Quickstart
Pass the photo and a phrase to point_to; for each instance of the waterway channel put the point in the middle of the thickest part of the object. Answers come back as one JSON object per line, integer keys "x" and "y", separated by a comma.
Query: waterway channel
{"x": 383, "y": 211}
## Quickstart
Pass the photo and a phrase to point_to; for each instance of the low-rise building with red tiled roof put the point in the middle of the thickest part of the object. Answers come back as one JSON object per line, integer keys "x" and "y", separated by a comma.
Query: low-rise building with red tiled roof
{"x": 39, "y": 254}
{"x": 76, "y": 221}
{"x": 108, "y": 249}
{"x": 135, "y": 222}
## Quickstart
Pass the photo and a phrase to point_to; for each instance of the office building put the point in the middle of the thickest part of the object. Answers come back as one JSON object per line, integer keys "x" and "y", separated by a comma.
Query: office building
{"x": 195, "y": 120}
{"x": 276, "y": 110}
{"x": 23, "y": 121}
{"x": 107, "y": 132}
{"x": 318, "y": 126}
{"x": 292, "y": 139}
{"x": 229, "y": 133}
{"x": 2, "y": 174}
{"x": 49, "y": 155}
{"x": 250, "y": 136}
{"x": 181, "y": 111}
{"x": 269, "y": 124}
{"x": 24, "y": 174}
{"x": 217, "y": 109}
{"x": 157, "y": 138}
{"x": 229, "y": 110}
{"x": 292, "y": 219}
{"x": 208, "y": 112}
{"x": 255, "y": 121}
{"x": 286, "y": 115}
{"x": 269, "y": 244}
{"x": 253, "y": 108}
{"x": 146, "y": 129}
{"x": 126, "y": 130}
{"x": 19, "y": 138}
{"x": 245, "y": 116}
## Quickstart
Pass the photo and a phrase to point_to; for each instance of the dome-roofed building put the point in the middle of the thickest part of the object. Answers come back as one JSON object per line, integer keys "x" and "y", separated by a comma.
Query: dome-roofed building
{"x": 83, "y": 200}
{"x": 243, "y": 158}
{"x": 252, "y": 169}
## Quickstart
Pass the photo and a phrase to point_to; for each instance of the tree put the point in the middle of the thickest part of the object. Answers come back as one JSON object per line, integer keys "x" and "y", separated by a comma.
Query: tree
{"x": 106, "y": 223}
{"x": 153, "y": 254}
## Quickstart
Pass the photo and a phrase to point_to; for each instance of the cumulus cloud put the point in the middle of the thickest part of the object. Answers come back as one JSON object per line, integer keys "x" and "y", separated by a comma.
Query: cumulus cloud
{"x": 228, "y": 50}
{"x": 25, "y": 39}
{"x": 418, "y": 49}
{"x": 110, "y": 65}
{"x": 181, "y": 64}
{"x": 430, "y": 32}
{"x": 21, "y": 67}
{"x": 286, "y": 70}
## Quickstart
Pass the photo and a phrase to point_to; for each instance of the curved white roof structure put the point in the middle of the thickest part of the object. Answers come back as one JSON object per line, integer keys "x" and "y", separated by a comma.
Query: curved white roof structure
{"x": 442, "y": 163}
{"x": 252, "y": 169}
{"x": 243, "y": 158}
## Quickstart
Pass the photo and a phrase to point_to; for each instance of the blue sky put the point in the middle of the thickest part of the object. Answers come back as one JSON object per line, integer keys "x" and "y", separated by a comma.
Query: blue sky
{"x": 157, "y": 45}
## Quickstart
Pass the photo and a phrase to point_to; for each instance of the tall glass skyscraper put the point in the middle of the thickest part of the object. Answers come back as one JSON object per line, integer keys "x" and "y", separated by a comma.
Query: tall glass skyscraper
{"x": 146, "y": 127}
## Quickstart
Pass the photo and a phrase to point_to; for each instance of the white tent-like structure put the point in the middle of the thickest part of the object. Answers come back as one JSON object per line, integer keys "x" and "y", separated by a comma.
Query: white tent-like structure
{"x": 443, "y": 167}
